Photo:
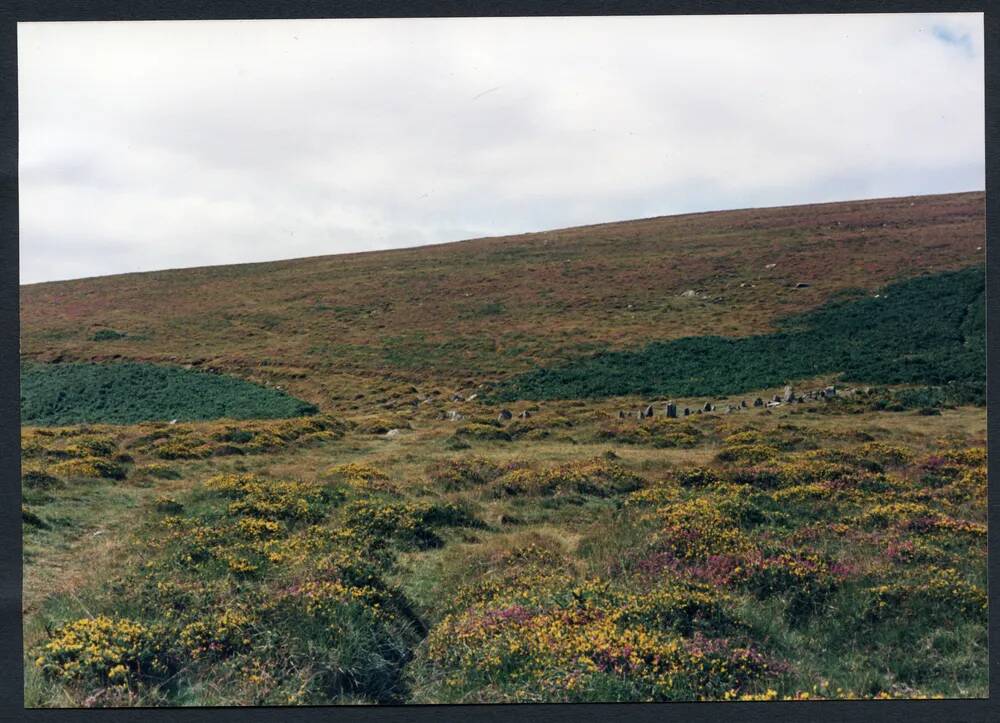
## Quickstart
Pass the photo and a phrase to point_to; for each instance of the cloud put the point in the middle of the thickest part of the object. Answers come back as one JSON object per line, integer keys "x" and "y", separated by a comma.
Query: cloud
{"x": 156, "y": 145}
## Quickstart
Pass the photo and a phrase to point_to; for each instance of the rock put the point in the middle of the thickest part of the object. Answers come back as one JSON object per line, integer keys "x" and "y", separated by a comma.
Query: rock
{"x": 802, "y": 285}
{"x": 769, "y": 266}
{"x": 454, "y": 416}
{"x": 621, "y": 414}
{"x": 671, "y": 410}
{"x": 801, "y": 400}
{"x": 758, "y": 402}
{"x": 743, "y": 404}
{"x": 689, "y": 294}
{"x": 789, "y": 395}
{"x": 775, "y": 403}
{"x": 830, "y": 392}
{"x": 471, "y": 397}
{"x": 776, "y": 398}
{"x": 525, "y": 414}
{"x": 504, "y": 415}
{"x": 648, "y": 411}
{"x": 729, "y": 409}
{"x": 457, "y": 398}
{"x": 392, "y": 433}
{"x": 687, "y": 411}
{"x": 708, "y": 407}
{"x": 172, "y": 421}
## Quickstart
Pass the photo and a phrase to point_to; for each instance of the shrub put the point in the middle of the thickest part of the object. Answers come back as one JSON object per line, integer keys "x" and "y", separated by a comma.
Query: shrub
{"x": 939, "y": 594}
{"x": 600, "y": 478}
{"x": 104, "y": 651}
{"x": 460, "y": 474}
{"x": 482, "y": 432}
{"x": 37, "y": 478}
{"x": 90, "y": 467}
{"x": 108, "y": 335}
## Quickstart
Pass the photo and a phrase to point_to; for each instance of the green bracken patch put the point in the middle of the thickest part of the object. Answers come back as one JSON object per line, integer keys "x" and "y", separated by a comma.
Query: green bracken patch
{"x": 927, "y": 330}
{"x": 125, "y": 393}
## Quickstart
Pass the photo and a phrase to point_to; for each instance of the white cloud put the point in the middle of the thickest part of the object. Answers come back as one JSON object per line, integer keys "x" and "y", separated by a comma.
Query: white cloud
{"x": 154, "y": 145}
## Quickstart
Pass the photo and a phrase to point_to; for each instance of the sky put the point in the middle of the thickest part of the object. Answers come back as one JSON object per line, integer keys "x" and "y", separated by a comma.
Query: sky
{"x": 153, "y": 145}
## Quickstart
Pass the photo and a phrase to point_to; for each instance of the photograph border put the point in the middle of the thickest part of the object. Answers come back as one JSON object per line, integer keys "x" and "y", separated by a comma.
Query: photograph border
{"x": 11, "y": 658}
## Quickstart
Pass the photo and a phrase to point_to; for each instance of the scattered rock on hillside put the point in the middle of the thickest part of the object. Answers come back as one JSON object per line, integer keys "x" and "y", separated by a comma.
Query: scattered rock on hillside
{"x": 671, "y": 410}
{"x": 504, "y": 415}
{"x": 758, "y": 402}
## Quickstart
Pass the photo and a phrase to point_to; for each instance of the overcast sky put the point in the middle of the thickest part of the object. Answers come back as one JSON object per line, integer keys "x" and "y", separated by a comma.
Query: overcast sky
{"x": 168, "y": 144}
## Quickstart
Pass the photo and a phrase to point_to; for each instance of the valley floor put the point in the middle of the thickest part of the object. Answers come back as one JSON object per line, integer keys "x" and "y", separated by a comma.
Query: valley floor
{"x": 826, "y": 549}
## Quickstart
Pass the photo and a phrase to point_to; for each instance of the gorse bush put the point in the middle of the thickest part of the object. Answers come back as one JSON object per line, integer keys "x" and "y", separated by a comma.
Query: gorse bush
{"x": 929, "y": 330}
{"x": 279, "y": 587}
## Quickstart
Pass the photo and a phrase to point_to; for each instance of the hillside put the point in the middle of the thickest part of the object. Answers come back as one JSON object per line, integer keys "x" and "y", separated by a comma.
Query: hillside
{"x": 340, "y": 331}
{"x": 379, "y": 523}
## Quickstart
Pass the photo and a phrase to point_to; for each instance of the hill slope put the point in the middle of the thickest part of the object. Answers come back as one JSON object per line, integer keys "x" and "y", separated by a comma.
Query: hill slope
{"x": 331, "y": 328}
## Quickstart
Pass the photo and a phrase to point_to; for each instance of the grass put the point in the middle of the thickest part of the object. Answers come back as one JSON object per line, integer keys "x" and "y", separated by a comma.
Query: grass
{"x": 125, "y": 393}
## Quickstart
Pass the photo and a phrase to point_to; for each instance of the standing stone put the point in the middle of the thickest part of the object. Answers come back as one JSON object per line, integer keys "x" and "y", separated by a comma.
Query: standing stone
{"x": 525, "y": 414}
{"x": 743, "y": 404}
{"x": 830, "y": 392}
{"x": 789, "y": 395}
{"x": 708, "y": 407}
{"x": 621, "y": 414}
{"x": 504, "y": 415}
{"x": 687, "y": 411}
{"x": 648, "y": 411}
{"x": 758, "y": 402}
{"x": 671, "y": 410}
